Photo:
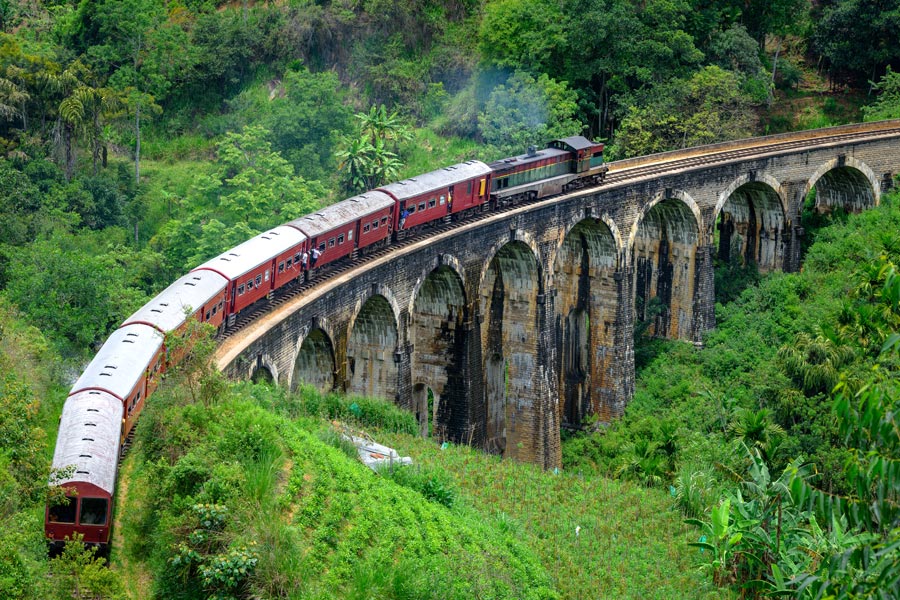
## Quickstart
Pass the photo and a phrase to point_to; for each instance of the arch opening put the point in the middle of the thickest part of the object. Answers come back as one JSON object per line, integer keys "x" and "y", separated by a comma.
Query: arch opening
{"x": 586, "y": 304}
{"x": 749, "y": 238}
{"x": 439, "y": 337}
{"x": 371, "y": 367}
{"x": 262, "y": 374}
{"x": 315, "y": 363}
{"x": 425, "y": 406}
{"x": 831, "y": 198}
{"x": 665, "y": 250}
{"x": 843, "y": 188}
{"x": 508, "y": 300}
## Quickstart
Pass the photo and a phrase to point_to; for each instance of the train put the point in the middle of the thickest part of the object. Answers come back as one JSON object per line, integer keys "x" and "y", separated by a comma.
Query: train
{"x": 102, "y": 408}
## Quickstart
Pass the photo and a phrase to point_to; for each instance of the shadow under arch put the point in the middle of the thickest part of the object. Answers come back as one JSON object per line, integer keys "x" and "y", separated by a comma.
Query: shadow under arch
{"x": 664, "y": 246}
{"x": 439, "y": 338}
{"x": 371, "y": 344}
{"x": 586, "y": 305}
{"x": 844, "y": 182}
{"x": 750, "y": 221}
{"x": 314, "y": 364}
{"x": 509, "y": 298}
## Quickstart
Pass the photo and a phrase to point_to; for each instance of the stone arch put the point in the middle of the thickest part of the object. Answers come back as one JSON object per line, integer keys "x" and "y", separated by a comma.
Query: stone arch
{"x": 441, "y": 260}
{"x": 519, "y": 235}
{"x": 425, "y": 411}
{"x": 586, "y": 306}
{"x": 664, "y": 242}
{"x": 680, "y": 195}
{"x": 263, "y": 367}
{"x": 844, "y": 182}
{"x": 438, "y": 332}
{"x": 371, "y": 345}
{"x": 570, "y": 224}
{"x": 750, "y": 219}
{"x": 509, "y": 302}
{"x": 314, "y": 363}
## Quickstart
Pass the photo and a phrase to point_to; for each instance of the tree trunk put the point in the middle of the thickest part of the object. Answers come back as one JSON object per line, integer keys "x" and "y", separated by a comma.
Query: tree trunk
{"x": 137, "y": 144}
{"x": 771, "y": 95}
{"x": 95, "y": 144}
{"x": 70, "y": 155}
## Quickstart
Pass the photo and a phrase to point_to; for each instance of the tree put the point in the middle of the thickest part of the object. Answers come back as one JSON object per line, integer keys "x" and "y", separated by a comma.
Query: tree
{"x": 84, "y": 110}
{"x": 522, "y": 34}
{"x": 307, "y": 121}
{"x": 252, "y": 189}
{"x": 709, "y": 107}
{"x": 615, "y": 48}
{"x": 887, "y": 105}
{"x": 369, "y": 159}
{"x": 526, "y": 111}
{"x": 859, "y": 36}
{"x": 92, "y": 287}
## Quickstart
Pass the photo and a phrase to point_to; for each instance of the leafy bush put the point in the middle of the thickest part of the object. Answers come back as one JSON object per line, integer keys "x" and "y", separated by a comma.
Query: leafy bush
{"x": 434, "y": 485}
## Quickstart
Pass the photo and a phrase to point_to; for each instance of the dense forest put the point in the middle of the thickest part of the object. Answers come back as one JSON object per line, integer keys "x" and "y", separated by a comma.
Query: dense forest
{"x": 141, "y": 137}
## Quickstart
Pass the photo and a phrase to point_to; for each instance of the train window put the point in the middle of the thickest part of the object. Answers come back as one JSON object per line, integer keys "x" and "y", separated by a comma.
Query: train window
{"x": 383, "y": 220}
{"x": 350, "y": 235}
{"x": 241, "y": 290}
{"x": 331, "y": 243}
{"x": 259, "y": 279}
{"x": 220, "y": 304}
{"x": 366, "y": 227}
{"x": 207, "y": 316}
{"x": 469, "y": 188}
{"x": 432, "y": 203}
{"x": 215, "y": 310}
{"x": 421, "y": 206}
{"x": 411, "y": 208}
{"x": 374, "y": 224}
{"x": 443, "y": 199}
{"x": 63, "y": 512}
{"x": 93, "y": 511}
{"x": 322, "y": 247}
{"x": 297, "y": 257}
{"x": 281, "y": 267}
{"x": 249, "y": 285}
{"x": 341, "y": 239}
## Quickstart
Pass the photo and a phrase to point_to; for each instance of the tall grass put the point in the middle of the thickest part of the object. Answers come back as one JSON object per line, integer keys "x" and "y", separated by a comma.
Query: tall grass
{"x": 599, "y": 538}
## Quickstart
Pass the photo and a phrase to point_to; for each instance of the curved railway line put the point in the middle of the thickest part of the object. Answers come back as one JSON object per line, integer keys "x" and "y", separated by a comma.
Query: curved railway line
{"x": 620, "y": 173}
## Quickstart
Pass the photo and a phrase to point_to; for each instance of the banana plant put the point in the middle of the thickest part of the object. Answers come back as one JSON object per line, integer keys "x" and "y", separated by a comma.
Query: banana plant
{"x": 720, "y": 540}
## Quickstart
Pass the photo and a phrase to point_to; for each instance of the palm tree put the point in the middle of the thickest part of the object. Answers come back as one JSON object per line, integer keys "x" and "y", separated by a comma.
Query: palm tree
{"x": 12, "y": 97}
{"x": 815, "y": 362}
{"x": 356, "y": 161}
{"x": 377, "y": 124}
{"x": 84, "y": 108}
{"x": 755, "y": 429}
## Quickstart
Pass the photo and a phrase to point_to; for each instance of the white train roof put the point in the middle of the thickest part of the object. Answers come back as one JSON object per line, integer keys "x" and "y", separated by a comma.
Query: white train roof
{"x": 167, "y": 310}
{"x": 345, "y": 211}
{"x": 89, "y": 433}
{"x": 254, "y": 252}
{"x": 122, "y": 360}
{"x": 436, "y": 180}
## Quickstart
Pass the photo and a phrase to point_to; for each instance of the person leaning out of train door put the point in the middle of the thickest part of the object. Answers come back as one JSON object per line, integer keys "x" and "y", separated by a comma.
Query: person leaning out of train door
{"x": 314, "y": 257}
{"x": 403, "y": 217}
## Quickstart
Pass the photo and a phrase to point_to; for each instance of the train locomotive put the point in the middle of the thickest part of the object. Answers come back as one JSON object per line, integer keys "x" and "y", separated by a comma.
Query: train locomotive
{"x": 102, "y": 408}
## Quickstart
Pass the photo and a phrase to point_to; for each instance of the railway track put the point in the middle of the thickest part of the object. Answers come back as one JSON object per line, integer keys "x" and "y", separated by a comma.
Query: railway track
{"x": 615, "y": 176}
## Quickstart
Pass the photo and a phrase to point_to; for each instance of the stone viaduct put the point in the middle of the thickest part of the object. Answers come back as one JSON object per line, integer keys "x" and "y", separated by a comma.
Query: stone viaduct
{"x": 502, "y": 331}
